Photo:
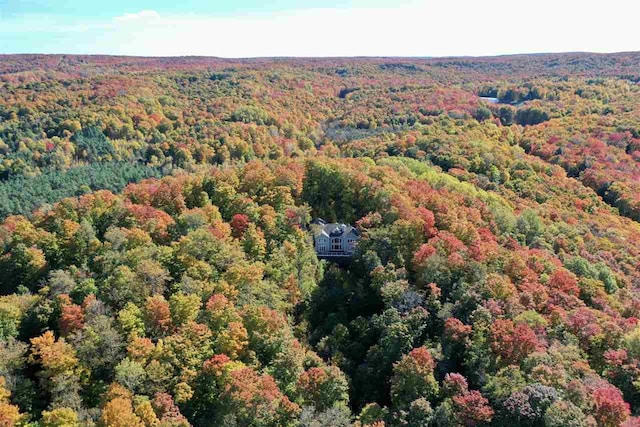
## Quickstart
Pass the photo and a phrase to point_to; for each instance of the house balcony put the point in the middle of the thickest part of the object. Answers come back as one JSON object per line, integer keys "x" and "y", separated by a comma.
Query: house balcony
{"x": 334, "y": 254}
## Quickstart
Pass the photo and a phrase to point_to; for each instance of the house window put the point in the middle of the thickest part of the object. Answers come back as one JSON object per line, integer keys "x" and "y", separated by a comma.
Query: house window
{"x": 351, "y": 243}
{"x": 336, "y": 244}
{"x": 322, "y": 246}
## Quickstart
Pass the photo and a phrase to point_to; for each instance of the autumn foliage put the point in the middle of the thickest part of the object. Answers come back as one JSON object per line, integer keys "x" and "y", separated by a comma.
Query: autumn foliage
{"x": 157, "y": 266}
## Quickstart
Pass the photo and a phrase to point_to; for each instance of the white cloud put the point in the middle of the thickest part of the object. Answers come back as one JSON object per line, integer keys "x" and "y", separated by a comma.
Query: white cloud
{"x": 142, "y": 15}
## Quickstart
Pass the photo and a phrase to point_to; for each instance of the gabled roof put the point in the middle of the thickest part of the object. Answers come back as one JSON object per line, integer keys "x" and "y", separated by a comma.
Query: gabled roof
{"x": 320, "y": 227}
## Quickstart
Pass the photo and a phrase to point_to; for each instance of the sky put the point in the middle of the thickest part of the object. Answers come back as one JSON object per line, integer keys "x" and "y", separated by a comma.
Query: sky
{"x": 307, "y": 28}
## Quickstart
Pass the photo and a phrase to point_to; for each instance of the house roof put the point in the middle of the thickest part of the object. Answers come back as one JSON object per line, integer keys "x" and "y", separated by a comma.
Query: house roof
{"x": 332, "y": 229}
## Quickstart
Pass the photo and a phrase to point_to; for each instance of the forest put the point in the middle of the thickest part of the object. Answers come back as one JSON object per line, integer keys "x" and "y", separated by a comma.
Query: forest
{"x": 157, "y": 269}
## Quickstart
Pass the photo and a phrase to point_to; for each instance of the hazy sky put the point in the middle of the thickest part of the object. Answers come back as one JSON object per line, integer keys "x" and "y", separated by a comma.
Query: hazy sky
{"x": 248, "y": 28}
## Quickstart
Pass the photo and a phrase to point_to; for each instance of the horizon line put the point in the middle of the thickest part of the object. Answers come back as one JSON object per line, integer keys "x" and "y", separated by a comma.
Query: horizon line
{"x": 500, "y": 55}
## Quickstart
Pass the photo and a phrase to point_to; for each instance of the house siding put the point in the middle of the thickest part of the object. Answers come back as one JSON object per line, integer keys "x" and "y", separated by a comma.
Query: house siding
{"x": 334, "y": 239}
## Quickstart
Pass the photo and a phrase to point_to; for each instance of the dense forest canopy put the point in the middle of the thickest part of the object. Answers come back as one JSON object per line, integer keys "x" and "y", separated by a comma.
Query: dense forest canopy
{"x": 156, "y": 267}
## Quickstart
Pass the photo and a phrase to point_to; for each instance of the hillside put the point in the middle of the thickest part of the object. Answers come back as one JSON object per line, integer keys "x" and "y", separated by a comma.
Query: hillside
{"x": 156, "y": 268}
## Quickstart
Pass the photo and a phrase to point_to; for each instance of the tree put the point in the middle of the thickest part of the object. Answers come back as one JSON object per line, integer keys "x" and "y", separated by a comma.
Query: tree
{"x": 92, "y": 145}
{"x": 130, "y": 320}
{"x": 610, "y": 408}
{"x": 9, "y": 414}
{"x": 419, "y": 414}
{"x": 528, "y": 406}
{"x": 157, "y": 316}
{"x": 254, "y": 400}
{"x": 13, "y": 309}
{"x": 564, "y": 281}
{"x": 565, "y": 414}
{"x": 232, "y": 340}
{"x": 482, "y": 114}
{"x": 252, "y": 114}
{"x": 454, "y": 385}
{"x": 413, "y": 378}
{"x": 333, "y": 417}
{"x": 60, "y": 417}
{"x": 187, "y": 348}
{"x": 219, "y": 312}
{"x": 168, "y": 413}
{"x": 130, "y": 374}
{"x": 54, "y": 356}
{"x": 98, "y": 345}
{"x": 529, "y": 226}
{"x": 472, "y": 409}
{"x": 323, "y": 388}
{"x": 512, "y": 342}
{"x": 505, "y": 382}
{"x": 184, "y": 308}
{"x": 239, "y": 224}
{"x": 25, "y": 265}
{"x": 506, "y": 115}
{"x": 531, "y": 116}
{"x": 61, "y": 282}
{"x": 253, "y": 242}
{"x": 268, "y": 332}
{"x": 71, "y": 318}
{"x": 118, "y": 410}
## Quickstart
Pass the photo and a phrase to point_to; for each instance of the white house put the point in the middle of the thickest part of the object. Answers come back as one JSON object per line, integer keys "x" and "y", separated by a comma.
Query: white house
{"x": 334, "y": 240}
